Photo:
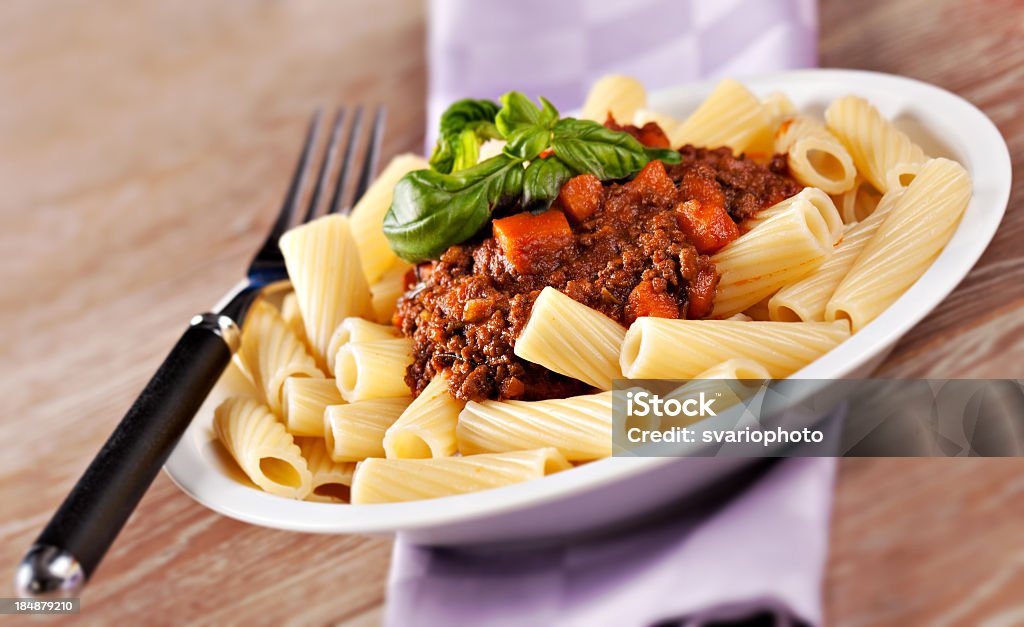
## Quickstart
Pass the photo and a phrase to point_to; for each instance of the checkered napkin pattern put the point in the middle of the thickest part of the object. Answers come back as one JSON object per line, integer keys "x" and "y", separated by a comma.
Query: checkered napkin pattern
{"x": 558, "y": 48}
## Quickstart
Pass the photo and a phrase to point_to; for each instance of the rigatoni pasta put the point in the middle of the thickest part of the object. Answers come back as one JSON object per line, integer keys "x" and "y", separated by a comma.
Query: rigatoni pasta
{"x": 782, "y": 248}
{"x": 355, "y": 431}
{"x": 815, "y": 156}
{"x": 572, "y": 339}
{"x": 731, "y": 116}
{"x": 616, "y": 95}
{"x": 292, "y": 315}
{"x": 368, "y": 217}
{"x": 875, "y": 144}
{"x": 427, "y": 427}
{"x": 358, "y": 330}
{"x": 264, "y": 450}
{"x": 656, "y": 348}
{"x": 396, "y": 480}
{"x": 272, "y": 353}
{"x": 858, "y": 202}
{"x": 325, "y": 270}
{"x": 579, "y": 427}
{"x": 375, "y": 369}
{"x": 305, "y": 400}
{"x": 331, "y": 480}
{"x": 805, "y": 300}
{"x": 916, "y": 229}
{"x": 387, "y": 290}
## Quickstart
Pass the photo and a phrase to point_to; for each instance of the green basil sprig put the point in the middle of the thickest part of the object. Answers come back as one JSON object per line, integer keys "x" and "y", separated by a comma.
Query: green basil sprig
{"x": 448, "y": 204}
{"x": 464, "y": 126}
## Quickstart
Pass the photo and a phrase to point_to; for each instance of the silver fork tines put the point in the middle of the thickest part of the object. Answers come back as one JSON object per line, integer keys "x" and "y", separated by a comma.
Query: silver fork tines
{"x": 268, "y": 265}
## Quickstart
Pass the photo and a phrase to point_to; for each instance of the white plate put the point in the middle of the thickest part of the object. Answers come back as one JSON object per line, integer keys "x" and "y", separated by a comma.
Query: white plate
{"x": 612, "y": 490}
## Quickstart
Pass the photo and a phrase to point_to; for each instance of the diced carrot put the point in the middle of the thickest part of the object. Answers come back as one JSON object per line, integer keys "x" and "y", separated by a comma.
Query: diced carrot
{"x": 701, "y": 293}
{"x": 645, "y": 301}
{"x": 477, "y": 309}
{"x": 700, "y": 184}
{"x": 527, "y": 239}
{"x": 708, "y": 226}
{"x": 580, "y": 197}
{"x": 653, "y": 181}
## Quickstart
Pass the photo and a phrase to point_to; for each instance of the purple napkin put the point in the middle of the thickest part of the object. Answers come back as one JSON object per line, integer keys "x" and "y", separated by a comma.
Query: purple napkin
{"x": 762, "y": 551}
{"x": 558, "y": 48}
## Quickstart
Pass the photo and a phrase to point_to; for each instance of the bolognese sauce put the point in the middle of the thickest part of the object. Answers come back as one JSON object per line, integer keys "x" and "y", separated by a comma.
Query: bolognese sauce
{"x": 638, "y": 248}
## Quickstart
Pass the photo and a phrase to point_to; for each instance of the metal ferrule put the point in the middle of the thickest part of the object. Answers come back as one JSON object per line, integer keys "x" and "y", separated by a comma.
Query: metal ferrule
{"x": 222, "y": 325}
{"x": 48, "y": 571}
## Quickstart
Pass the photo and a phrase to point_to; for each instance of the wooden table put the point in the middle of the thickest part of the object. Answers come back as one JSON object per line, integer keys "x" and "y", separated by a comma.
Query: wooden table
{"x": 143, "y": 148}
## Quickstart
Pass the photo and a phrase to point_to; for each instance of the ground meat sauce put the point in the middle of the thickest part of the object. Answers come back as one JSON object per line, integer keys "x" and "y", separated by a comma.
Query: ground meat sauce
{"x": 623, "y": 251}
{"x": 747, "y": 186}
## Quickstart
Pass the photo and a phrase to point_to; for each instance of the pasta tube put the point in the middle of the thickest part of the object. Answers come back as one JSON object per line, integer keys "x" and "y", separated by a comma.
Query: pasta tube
{"x": 875, "y": 144}
{"x": 263, "y": 449}
{"x": 805, "y": 300}
{"x": 858, "y": 202}
{"x": 659, "y": 348}
{"x": 292, "y": 316}
{"x": 358, "y": 330}
{"x": 731, "y": 116}
{"x": 615, "y": 94}
{"x": 331, "y": 480}
{"x": 375, "y": 254}
{"x": 579, "y": 427}
{"x": 272, "y": 353}
{"x": 355, "y": 431}
{"x": 809, "y": 200}
{"x": 736, "y": 368}
{"x": 787, "y": 243}
{"x": 917, "y": 228}
{"x": 376, "y": 369}
{"x": 427, "y": 427}
{"x": 394, "y": 480}
{"x": 724, "y": 383}
{"x": 387, "y": 290}
{"x": 815, "y": 156}
{"x": 305, "y": 401}
{"x": 757, "y": 311}
{"x": 324, "y": 267}
{"x": 901, "y": 175}
{"x": 779, "y": 106}
{"x": 572, "y": 339}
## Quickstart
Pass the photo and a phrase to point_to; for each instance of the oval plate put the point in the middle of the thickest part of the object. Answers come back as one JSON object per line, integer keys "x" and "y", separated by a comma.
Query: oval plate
{"x": 611, "y": 490}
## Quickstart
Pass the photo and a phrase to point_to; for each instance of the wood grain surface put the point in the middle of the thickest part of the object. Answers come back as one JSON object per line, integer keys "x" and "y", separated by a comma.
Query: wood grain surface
{"x": 143, "y": 146}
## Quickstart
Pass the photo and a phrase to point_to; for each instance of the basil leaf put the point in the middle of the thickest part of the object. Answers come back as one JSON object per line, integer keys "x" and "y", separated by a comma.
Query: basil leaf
{"x": 587, "y": 146}
{"x": 666, "y": 155}
{"x": 527, "y": 142}
{"x": 467, "y": 150}
{"x": 452, "y": 146}
{"x": 431, "y": 211}
{"x": 518, "y": 112}
{"x": 542, "y": 181}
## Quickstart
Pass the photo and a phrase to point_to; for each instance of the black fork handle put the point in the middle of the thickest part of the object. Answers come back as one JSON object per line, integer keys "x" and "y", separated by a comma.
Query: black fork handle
{"x": 71, "y": 546}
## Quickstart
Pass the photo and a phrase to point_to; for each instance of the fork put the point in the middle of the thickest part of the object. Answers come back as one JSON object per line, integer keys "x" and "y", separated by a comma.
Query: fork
{"x": 74, "y": 542}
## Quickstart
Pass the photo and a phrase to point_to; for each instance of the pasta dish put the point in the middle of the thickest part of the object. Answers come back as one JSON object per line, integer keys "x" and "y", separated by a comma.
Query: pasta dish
{"x": 462, "y": 328}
